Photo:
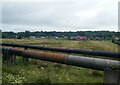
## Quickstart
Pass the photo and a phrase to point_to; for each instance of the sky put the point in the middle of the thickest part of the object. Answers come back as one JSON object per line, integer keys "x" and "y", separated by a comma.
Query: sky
{"x": 50, "y": 15}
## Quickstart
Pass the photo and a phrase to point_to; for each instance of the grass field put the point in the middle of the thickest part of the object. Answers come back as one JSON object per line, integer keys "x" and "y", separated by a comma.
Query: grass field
{"x": 37, "y": 71}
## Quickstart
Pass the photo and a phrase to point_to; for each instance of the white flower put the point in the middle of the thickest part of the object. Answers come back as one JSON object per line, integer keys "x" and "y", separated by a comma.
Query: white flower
{"x": 42, "y": 68}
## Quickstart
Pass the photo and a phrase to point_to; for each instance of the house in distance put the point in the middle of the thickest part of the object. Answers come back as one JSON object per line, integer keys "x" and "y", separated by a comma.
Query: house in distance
{"x": 78, "y": 38}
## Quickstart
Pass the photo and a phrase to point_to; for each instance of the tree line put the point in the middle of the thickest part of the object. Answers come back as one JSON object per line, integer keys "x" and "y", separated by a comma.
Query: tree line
{"x": 39, "y": 34}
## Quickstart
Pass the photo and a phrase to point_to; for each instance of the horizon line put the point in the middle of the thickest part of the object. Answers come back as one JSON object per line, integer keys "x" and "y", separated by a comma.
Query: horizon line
{"x": 62, "y": 31}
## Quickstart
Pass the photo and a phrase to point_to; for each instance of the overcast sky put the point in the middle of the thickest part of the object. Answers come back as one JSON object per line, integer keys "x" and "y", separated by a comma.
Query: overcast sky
{"x": 60, "y": 16}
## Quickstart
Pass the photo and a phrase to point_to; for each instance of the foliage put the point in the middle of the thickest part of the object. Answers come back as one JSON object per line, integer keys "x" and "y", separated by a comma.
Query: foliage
{"x": 116, "y": 41}
{"x": 106, "y": 35}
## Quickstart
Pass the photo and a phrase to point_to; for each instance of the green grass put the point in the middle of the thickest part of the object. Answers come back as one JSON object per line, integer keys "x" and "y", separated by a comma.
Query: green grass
{"x": 37, "y": 71}
{"x": 46, "y": 72}
{"x": 91, "y": 45}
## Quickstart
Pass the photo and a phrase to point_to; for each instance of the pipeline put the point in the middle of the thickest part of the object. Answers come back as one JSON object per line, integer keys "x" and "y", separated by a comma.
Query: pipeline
{"x": 68, "y": 50}
{"x": 86, "y": 62}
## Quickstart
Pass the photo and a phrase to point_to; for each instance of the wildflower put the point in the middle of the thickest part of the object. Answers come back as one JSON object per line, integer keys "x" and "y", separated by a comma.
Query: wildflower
{"x": 33, "y": 72}
{"x": 59, "y": 78}
{"x": 42, "y": 68}
{"x": 21, "y": 69}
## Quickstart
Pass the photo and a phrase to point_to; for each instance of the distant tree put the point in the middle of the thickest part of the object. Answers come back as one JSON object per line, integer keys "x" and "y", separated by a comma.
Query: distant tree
{"x": 89, "y": 34}
{"x": 113, "y": 39}
{"x": 27, "y": 34}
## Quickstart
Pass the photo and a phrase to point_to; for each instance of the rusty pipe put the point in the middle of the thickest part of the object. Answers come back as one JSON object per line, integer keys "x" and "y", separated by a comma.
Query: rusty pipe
{"x": 68, "y": 50}
{"x": 86, "y": 62}
{"x": 36, "y": 55}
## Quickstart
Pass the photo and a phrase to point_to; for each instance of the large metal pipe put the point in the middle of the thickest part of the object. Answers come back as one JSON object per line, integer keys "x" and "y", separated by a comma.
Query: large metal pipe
{"x": 68, "y": 50}
{"x": 87, "y": 62}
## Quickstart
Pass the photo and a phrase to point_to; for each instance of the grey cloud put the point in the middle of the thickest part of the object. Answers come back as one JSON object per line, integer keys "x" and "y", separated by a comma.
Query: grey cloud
{"x": 57, "y": 15}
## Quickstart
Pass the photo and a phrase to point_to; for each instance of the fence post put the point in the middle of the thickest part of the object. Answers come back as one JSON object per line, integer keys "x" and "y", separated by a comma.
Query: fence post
{"x": 9, "y": 59}
{"x": 112, "y": 76}
{"x": 24, "y": 58}
{"x": 4, "y": 58}
{"x": 13, "y": 60}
